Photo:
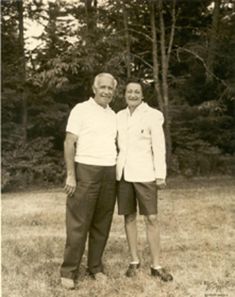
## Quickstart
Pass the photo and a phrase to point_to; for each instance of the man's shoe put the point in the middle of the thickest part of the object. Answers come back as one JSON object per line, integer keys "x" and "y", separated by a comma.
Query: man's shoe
{"x": 100, "y": 276}
{"x": 67, "y": 283}
{"x": 162, "y": 274}
{"x": 132, "y": 270}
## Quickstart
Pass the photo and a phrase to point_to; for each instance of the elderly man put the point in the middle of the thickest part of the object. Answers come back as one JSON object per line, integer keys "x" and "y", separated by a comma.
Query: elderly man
{"x": 90, "y": 156}
{"x": 141, "y": 169}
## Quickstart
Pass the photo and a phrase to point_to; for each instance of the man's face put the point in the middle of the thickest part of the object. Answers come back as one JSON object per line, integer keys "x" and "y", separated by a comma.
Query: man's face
{"x": 104, "y": 90}
{"x": 133, "y": 95}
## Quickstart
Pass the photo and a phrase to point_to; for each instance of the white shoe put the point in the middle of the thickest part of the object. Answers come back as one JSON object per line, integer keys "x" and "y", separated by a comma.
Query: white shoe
{"x": 67, "y": 283}
{"x": 101, "y": 277}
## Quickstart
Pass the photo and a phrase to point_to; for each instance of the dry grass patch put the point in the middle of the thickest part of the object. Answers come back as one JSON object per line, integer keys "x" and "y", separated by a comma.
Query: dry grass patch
{"x": 197, "y": 232}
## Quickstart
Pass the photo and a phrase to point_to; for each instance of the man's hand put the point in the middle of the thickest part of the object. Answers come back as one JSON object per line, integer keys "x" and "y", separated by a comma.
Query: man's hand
{"x": 70, "y": 185}
{"x": 161, "y": 183}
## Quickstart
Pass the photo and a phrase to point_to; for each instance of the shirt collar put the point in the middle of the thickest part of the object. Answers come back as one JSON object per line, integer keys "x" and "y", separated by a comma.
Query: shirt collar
{"x": 93, "y": 102}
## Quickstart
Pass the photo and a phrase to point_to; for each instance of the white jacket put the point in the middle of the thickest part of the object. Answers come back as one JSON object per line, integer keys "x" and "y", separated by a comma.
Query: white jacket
{"x": 141, "y": 145}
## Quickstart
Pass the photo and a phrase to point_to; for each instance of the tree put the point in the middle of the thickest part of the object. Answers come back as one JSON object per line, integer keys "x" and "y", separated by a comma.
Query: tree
{"x": 22, "y": 68}
{"x": 161, "y": 84}
{"x": 127, "y": 38}
{"x": 213, "y": 39}
{"x": 139, "y": 39}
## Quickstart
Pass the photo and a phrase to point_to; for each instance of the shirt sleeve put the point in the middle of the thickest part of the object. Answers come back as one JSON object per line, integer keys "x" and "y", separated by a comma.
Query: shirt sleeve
{"x": 158, "y": 144}
{"x": 74, "y": 124}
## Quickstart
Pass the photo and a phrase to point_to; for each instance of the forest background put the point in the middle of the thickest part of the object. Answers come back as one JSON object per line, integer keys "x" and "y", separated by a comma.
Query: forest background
{"x": 183, "y": 51}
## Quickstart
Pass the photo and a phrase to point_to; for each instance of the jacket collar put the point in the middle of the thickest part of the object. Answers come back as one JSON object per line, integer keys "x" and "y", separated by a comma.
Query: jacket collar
{"x": 143, "y": 107}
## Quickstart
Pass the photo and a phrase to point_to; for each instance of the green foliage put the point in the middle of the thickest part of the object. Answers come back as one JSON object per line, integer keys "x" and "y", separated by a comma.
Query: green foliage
{"x": 79, "y": 41}
{"x": 40, "y": 159}
{"x": 33, "y": 163}
{"x": 200, "y": 142}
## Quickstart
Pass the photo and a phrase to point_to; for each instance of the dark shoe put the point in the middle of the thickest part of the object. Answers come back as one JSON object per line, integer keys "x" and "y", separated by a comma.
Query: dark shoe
{"x": 132, "y": 270}
{"x": 162, "y": 274}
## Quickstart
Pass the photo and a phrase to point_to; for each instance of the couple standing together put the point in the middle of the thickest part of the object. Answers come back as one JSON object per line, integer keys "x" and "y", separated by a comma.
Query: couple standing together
{"x": 94, "y": 133}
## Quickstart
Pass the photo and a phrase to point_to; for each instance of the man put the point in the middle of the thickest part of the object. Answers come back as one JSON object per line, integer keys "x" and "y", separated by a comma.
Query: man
{"x": 141, "y": 169}
{"x": 90, "y": 156}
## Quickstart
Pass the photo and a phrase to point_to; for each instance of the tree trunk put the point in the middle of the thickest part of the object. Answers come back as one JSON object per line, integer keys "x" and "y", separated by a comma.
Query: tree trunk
{"x": 22, "y": 70}
{"x": 161, "y": 85}
{"x": 90, "y": 18}
{"x": 53, "y": 39}
{"x": 155, "y": 57}
{"x": 127, "y": 38}
{"x": 91, "y": 15}
{"x": 213, "y": 39}
{"x": 165, "y": 94}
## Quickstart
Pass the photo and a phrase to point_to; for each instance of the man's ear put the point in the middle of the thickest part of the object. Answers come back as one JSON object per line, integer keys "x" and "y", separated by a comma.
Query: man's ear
{"x": 94, "y": 89}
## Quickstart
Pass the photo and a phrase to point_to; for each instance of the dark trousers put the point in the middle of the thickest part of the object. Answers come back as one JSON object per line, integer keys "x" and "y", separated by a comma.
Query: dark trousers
{"x": 89, "y": 211}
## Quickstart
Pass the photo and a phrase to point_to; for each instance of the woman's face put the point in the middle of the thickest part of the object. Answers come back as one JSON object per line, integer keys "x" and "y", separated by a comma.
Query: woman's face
{"x": 133, "y": 95}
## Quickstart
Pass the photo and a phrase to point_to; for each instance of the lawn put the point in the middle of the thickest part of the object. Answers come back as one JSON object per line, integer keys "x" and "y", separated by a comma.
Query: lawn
{"x": 197, "y": 220}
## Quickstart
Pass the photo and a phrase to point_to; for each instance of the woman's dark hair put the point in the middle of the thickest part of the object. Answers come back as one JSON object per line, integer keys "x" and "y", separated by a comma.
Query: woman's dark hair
{"x": 135, "y": 81}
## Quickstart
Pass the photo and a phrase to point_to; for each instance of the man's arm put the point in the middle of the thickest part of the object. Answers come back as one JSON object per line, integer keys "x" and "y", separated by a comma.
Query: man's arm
{"x": 161, "y": 183}
{"x": 69, "y": 153}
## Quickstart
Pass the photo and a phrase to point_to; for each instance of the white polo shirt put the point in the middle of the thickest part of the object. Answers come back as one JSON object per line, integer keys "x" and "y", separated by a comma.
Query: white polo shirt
{"x": 96, "y": 128}
{"x": 141, "y": 144}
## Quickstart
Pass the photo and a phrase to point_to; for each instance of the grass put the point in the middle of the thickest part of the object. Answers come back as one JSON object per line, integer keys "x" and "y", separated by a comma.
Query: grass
{"x": 197, "y": 239}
